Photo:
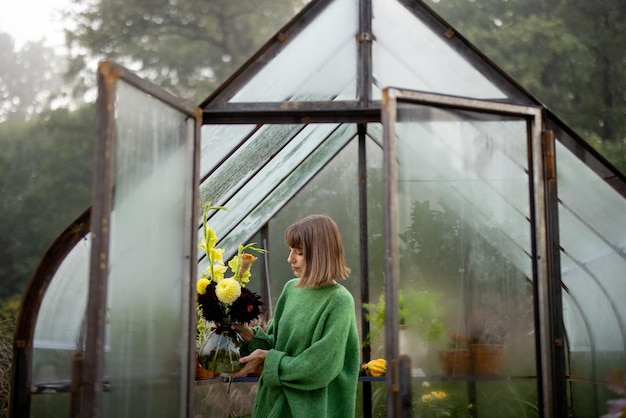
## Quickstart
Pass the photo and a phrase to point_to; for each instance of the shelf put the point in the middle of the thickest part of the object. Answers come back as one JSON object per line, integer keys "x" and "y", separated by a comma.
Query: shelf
{"x": 226, "y": 379}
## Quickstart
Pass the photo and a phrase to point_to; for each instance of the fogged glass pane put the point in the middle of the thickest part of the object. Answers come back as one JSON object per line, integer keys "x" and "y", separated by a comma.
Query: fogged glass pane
{"x": 375, "y": 242}
{"x": 274, "y": 184}
{"x": 59, "y": 333}
{"x": 592, "y": 228}
{"x": 408, "y": 54}
{"x": 146, "y": 341}
{"x": 464, "y": 248}
{"x": 245, "y": 160}
{"x": 318, "y": 64}
{"x": 218, "y": 141}
{"x": 332, "y": 191}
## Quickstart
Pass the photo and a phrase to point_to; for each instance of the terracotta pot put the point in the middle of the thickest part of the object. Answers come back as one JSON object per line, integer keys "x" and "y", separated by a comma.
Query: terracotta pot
{"x": 455, "y": 362}
{"x": 486, "y": 359}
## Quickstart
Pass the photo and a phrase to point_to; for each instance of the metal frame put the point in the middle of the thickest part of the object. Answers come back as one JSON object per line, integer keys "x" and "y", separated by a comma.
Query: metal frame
{"x": 544, "y": 222}
{"x": 21, "y": 370}
{"x": 108, "y": 75}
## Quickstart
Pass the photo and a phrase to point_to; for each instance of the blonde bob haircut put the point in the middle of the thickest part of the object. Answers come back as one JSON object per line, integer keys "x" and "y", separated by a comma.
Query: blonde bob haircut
{"x": 319, "y": 239}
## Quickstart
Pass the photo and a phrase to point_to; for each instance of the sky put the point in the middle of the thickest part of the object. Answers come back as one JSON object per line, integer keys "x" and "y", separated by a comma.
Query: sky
{"x": 33, "y": 20}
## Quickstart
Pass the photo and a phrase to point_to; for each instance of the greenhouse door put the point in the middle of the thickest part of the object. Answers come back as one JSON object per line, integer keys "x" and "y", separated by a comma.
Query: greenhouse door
{"x": 468, "y": 262}
{"x": 143, "y": 260}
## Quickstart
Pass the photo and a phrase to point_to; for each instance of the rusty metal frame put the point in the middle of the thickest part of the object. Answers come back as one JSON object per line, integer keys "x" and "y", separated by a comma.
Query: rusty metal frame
{"x": 108, "y": 75}
{"x": 21, "y": 371}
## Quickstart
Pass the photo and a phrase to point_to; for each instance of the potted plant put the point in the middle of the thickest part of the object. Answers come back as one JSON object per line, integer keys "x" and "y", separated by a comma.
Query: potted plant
{"x": 455, "y": 360}
{"x": 420, "y": 313}
{"x": 376, "y": 317}
{"x": 486, "y": 336}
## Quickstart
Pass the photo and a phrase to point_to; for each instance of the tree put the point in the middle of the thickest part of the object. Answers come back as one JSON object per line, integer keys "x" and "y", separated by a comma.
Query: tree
{"x": 45, "y": 183}
{"x": 186, "y": 46}
{"x": 29, "y": 78}
{"x": 568, "y": 54}
{"x": 601, "y": 28}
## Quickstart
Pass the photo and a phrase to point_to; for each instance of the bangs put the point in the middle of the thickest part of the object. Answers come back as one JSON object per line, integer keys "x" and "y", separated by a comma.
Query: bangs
{"x": 293, "y": 238}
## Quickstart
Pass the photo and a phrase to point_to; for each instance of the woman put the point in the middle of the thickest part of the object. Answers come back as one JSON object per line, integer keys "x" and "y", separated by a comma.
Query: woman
{"x": 310, "y": 352}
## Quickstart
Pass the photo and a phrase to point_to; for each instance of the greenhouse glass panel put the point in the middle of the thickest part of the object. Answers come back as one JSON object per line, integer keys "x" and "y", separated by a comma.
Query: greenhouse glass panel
{"x": 276, "y": 181}
{"x": 438, "y": 67}
{"x": 465, "y": 273}
{"x": 316, "y": 64}
{"x": 218, "y": 141}
{"x": 244, "y": 161}
{"x": 592, "y": 271}
{"x": 147, "y": 324}
{"x": 333, "y": 191}
{"x": 59, "y": 332}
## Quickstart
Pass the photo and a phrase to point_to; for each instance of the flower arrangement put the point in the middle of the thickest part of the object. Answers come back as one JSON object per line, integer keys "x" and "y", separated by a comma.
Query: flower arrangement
{"x": 224, "y": 300}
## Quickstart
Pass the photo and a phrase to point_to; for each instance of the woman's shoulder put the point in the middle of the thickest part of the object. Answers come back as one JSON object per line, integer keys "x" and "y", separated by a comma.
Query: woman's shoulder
{"x": 290, "y": 284}
{"x": 343, "y": 293}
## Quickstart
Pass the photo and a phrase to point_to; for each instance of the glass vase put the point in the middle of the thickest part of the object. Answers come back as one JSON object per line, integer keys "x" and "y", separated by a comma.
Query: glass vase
{"x": 220, "y": 351}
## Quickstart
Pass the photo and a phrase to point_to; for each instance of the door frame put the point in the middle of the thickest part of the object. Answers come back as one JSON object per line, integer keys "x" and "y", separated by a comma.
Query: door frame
{"x": 544, "y": 244}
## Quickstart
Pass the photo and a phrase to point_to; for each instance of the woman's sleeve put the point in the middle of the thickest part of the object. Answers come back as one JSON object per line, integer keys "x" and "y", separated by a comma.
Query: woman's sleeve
{"x": 264, "y": 340}
{"x": 261, "y": 340}
{"x": 323, "y": 361}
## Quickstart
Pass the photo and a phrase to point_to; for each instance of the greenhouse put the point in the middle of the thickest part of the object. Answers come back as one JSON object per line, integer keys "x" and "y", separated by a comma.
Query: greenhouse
{"x": 468, "y": 209}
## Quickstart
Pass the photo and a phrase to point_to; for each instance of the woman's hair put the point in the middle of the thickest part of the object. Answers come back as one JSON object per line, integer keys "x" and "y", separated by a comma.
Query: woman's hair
{"x": 318, "y": 237}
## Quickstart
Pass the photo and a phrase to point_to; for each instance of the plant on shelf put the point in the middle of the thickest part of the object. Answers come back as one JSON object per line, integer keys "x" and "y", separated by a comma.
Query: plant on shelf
{"x": 376, "y": 317}
{"x": 487, "y": 334}
{"x": 419, "y": 309}
{"x": 457, "y": 342}
{"x": 420, "y": 314}
{"x": 455, "y": 360}
{"x": 487, "y": 329}
{"x": 223, "y": 301}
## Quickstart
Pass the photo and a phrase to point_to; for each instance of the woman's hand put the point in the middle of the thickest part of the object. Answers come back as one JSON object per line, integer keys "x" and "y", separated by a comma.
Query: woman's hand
{"x": 253, "y": 362}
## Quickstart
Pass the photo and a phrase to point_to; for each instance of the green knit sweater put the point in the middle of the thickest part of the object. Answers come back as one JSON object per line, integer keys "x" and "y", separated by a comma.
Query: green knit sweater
{"x": 312, "y": 366}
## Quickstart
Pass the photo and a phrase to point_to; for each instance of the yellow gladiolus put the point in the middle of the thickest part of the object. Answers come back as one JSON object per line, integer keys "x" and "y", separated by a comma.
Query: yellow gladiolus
{"x": 218, "y": 272}
{"x": 216, "y": 254}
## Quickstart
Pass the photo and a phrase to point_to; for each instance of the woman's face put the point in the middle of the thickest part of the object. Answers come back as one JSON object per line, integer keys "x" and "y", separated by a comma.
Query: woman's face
{"x": 296, "y": 260}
